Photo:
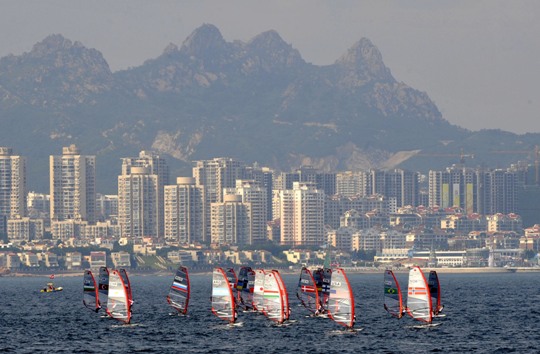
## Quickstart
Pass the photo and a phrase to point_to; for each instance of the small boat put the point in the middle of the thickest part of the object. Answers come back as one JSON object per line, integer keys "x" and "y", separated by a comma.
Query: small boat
{"x": 393, "y": 302}
{"x": 419, "y": 298}
{"x": 119, "y": 303}
{"x": 258, "y": 290}
{"x": 307, "y": 292}
{"x": 341, "y": 300}
{"x": 284, "y": 295}
{"x": 103, "y": 287}
{"x": 223, "y": 304}
{"x": 435, "y": 292}
{"x": 90, "y": 291}
{"x": 244, "y": 288}
{"x": 273, "y": 301}
{"x": 179, "y": 291}
{"x": 50, "y": 288}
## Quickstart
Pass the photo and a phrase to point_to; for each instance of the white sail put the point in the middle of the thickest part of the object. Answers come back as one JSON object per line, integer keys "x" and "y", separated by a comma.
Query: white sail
{"x": 258, "y": 291}
{"x": 223, "y": 304}
{"x": 273, "y": 302}
{"x": 418, "y": 296}
{"x": 341, "y": 300}
{"x": 119, "y": 304}
{"x": 286, "y": 308}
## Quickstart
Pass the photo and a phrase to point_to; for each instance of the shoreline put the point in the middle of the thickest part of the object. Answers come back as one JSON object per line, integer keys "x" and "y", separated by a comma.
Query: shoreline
{"x": 479, "y": 270}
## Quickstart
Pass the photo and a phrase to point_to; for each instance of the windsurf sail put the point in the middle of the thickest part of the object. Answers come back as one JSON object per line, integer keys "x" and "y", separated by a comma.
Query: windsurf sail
{"x": 273, "y": 302}
{"x": 341, "y": 300}
{"x": 418, "y": 297}
{"x": 233, "y": 280}
{"x": 90, "y": 291}
{"x": 103, "y": 287}
{"x": 258, "y": 290}
{"x": 435, "y": 292}
{"x": 326, "y": 275}
{"x": 127, "y": 284}
{"x": 244, "y": 287}
{"x": 179, "y": 291}
{"x": 286, "y": 308}
{"x": 223, "y": 304}
{"x": 307, "y": 291}
{"x": 119, "y": 304}
{"x": 393, "y": 302}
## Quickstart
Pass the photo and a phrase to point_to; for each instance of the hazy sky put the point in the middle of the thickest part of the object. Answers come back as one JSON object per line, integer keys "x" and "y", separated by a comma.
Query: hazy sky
{"x": 477, "y": 60}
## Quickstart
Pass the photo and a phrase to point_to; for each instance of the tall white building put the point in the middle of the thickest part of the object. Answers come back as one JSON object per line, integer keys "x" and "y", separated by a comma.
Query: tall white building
{"x": 302, "y": 215}
{"x": 72, "y": 186}
{"x": 12, "y": 186}
{"x": 138, "y": 207}
{"x": 256, "y": 194}
{"x": 184, "y": 211}
{"x": 230, "y": 221}
{"x": 214, "y": 176}
{"x": 157, "y": 166}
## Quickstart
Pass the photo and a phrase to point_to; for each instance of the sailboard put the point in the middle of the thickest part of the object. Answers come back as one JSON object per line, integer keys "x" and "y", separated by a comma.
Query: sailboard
{"x": 244, "y": 288}
{"x": 393, "y": 301}
{"x": 233, "y": 280}
{"x": 179, "y": 291}
{"x": 307, "y": 292}
{"x": 103, "y": 287}
{"x": 435, "y": 292}
{"x": 341, "y": 300}
{"x": 118, "y": 304}
{"x": 286, "y": 308}
{"x": 418, "y": 296}
{"x": 258, "y": 290}
{"x": 223, "y": 304}
{"x": 127, "y": 283}
{"x": 273, "y": 302}
{"x": 326, "y": 274}
{"x": 90, "y": 291}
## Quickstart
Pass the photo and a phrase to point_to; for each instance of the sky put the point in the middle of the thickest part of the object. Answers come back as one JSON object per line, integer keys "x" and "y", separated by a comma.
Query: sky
{"x": 477, "y": 60}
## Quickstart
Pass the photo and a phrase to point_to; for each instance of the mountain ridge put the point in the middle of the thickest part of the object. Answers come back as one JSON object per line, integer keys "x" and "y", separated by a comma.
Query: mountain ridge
{"x": 257, "y": 100}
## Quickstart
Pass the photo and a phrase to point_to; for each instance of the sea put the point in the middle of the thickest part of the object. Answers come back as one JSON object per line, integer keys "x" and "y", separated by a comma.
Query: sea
{"x": 485, "y": 313}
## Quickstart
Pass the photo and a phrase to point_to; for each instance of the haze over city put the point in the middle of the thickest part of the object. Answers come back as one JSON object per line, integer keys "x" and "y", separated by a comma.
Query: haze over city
{"x": 476, "y": 60}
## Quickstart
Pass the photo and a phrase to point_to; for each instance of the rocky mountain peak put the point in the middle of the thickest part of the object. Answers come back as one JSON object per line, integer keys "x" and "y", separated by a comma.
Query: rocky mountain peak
{"x": 364, "y": 58}
{"x": 205, "y": 40}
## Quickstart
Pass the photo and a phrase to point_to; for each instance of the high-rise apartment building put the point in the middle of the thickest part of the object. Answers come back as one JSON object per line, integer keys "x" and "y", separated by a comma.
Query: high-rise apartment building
{"x": 72, "y": 186}
{"x": 256, "y": 194}
{"x": 302, "y": 215}
{"x": 401, "y": 185}
{"x": 214, "y": 176}
{"x": 12, "y": 186}
{"x": 138, "y": 207}
{"x": 184, "y": 211}
{"x": 479, "y": 191}
{"x": 156, "y": 165}
{"x": 230, "y": 221}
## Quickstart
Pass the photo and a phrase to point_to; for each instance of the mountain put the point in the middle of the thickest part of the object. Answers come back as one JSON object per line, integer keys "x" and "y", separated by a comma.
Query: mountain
{"x": 256, "y": 101}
